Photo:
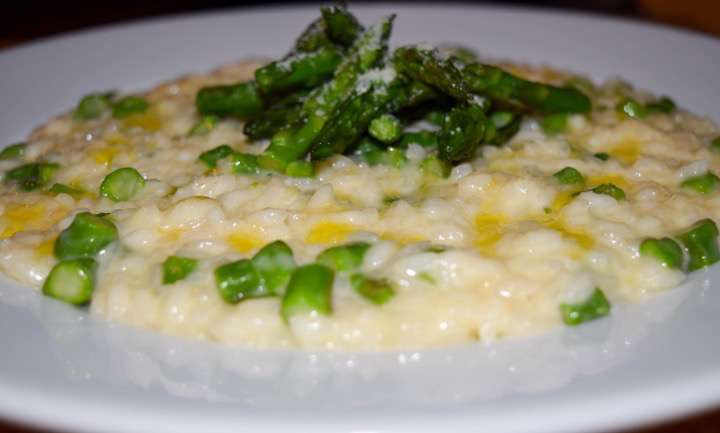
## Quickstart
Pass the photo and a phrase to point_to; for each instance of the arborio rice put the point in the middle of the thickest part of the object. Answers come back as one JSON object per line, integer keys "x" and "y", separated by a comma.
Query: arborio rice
{"x": 491, "y": 251}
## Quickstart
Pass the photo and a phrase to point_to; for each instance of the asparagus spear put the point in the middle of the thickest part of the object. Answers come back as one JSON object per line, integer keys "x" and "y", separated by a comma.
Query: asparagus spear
{"x": 278, "y": 116}
{"x": 425, "y": 65}
{"x": 340, "y": 25}
{"x": 291, "y": 144}
{"x": 462, "y": 132}
{"x": 242, "y": 100}
{"x": 505, "y": 87}
{"x": 299, "y": 70}
{"x": 313, "y": 38}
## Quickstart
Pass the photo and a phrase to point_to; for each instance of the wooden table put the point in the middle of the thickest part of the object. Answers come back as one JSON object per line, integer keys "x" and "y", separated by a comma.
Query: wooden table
{"x": 708, "y": 422}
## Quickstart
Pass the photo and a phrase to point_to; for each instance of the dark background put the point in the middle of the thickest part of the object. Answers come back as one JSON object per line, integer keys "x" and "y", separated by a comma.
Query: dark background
{"x": 25, "y": 20}
{"x": 29, "y": 19}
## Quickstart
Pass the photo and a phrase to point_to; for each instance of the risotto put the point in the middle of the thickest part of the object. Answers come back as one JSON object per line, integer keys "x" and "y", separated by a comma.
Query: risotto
{"x": 174, "y": 210}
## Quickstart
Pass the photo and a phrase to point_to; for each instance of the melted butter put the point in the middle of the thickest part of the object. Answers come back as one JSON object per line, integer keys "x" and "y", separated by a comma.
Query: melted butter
{"x": 22, "y": 217}
{"x": 489, "y": 229}
{"x": 329, "y": 233}
{"x": 105, "y": 155}
{"x": 402, "y": 238}
{"x": 626, "y": 151}
{"x": 148, "y": 121}
{"x": 244, "y": 242}
{"x": 45, "y": 248}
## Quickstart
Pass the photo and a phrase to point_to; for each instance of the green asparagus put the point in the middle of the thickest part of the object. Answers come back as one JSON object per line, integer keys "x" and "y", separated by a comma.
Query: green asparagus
{"x": 665, "y": 250}
{"x": 309, "y": 291}
{"x": 700, "y": 241}
{"x": 176, "y": 268}
{"x": 594, "y": 307}
{"x": 71, "y": 281}
{"x": 515, "y": 91}
{"x": 86, "y": 236}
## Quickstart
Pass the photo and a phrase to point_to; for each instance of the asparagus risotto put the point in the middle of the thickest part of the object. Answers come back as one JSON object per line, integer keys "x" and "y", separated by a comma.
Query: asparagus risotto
{"x": 354, "y": 197}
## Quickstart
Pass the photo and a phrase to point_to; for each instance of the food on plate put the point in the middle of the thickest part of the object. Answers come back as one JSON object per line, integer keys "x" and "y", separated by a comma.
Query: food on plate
{"x": 352, "y": 196}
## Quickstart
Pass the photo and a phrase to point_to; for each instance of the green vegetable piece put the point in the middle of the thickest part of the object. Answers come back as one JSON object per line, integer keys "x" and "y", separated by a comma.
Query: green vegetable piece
{"x": 602, "y": 156}
{"x": 211, "y": 157}
{"x": 569, "y": 176}
{"x": 205, "y": 125}
{"x": 611, "y": 190}
{"x": 377, "y": 291}
{"x": 281, "y": 114}
{"x": 666, "y": 250}
{"x": 462, "y": 132}
{"x": 715, "y": 144}
{"x": 435, "y": 166}
{"x": 427, "y": 139}
{"x": 595, "y": 307}
{"x": 512, "y": 90}
{"x": 393, "y": 157}
{"x": 86, "y": 236}
{"x": 704, "y": 183}
{"x": 32, "y": 176}
{"x": 299, "y": 70}
{"x": 177, "y": 268}
{"x": 435, "y": 117}
{"x": 71, "y": 281}
{"x": 344, "y": 258}
{"x": 663, "y": 105}
{"x": 93, "y": 106}
{"x": 554, "y": 123}
{"x": 341, "y": 26}
{"x": 238, "y": 281}
{"x": 386, "y": 128}
{"x": 275, "y": 264}
{"x": 509, "y": 126}
{"x": 426, "y": 66}
{"x": 245, "y": 163}
{"x": 13, "y": 151}
{"x": 312, "y": 38}
{"x": 351, "y": 119}
{"x": 60, "y": 188}
{"x": 700, "y": 241}
{"x": 128, "y": 106}
{"x": 309, "y": 291}
{"x": 300, "y": 169}
{"x": 370, "y": 150}
{"x": 502, "y": 119}
{"x": 240, "y": 100}
{"x": 293, "y": 143}
{"x": 632, "y": 108}
{"x": 122, "y": 184}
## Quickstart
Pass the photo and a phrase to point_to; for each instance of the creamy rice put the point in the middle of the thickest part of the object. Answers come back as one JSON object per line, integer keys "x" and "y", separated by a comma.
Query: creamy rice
{"x": 517, "y": 243}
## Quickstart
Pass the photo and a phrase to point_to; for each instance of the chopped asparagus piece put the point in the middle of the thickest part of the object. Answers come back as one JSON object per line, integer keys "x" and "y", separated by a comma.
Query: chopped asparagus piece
{"x": 176, "y": 268}
{"x": 86, "y": 236}
{"x": 569, "y": 176}
{"x": 594, "y": 307}
{"x": 377, "y": 291}
{"x": 309, "y": 291}
{"x": 700, "y": 241}
{"x": 128, "y": 106}
{"x": 71, "y": 281}
{"x": 704, "y": 183}
{"x": 122, "y": 184}
{"x": 275, "y": 264}
{"x": 665, "y": 250}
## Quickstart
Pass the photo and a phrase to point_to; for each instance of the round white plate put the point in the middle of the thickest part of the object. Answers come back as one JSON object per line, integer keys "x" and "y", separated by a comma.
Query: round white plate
{"x": 61, "y": 368}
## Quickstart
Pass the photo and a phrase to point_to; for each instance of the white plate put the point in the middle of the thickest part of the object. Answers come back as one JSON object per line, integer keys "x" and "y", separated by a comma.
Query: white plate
{"x": 63, "y": 369}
